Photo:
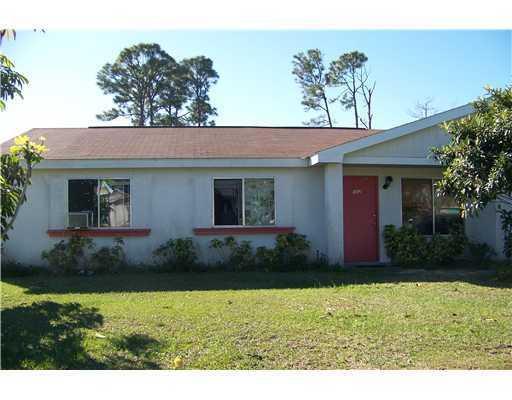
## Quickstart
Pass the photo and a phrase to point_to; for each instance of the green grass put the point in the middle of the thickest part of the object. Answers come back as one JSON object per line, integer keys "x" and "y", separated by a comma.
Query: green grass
{"x": 354, "y": 319}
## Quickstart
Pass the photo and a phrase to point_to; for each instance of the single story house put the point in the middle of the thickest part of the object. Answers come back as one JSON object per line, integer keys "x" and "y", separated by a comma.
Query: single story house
{"x": 338, "y": 186}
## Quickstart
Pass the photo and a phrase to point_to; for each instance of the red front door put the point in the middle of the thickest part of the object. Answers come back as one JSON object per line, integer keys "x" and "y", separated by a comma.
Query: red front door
{"x": 360, "y": 218}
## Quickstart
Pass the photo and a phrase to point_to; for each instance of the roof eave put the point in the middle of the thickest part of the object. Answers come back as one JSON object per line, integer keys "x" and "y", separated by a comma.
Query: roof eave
{"x": 335, "y": 154}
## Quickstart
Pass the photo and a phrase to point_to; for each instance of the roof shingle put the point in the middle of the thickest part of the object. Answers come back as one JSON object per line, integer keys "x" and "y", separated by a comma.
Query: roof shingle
{"x": 190, "y": 143}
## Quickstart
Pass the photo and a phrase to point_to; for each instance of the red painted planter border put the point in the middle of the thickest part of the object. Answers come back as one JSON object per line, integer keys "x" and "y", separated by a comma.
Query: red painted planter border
{"x": 243, "y": 230}
{"x": 98, "y": 232}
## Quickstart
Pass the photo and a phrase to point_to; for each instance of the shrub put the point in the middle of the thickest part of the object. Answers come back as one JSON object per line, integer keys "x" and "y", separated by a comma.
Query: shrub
{"x": 504, "y": 272}
{"x": 480, "y": 252}
{"x": 443, "y": 250}
{"x": 16, "y": 269}
{"x": 292, "y": 250}
{"x": 506, "y": 225}
{"x": 321, "y": 263}
{"x": 221, "y": 250}
{"x": 407, "y": 247}
{"x": 238, "y": 256}
{"x": 266, "y": 258}
{"x": 289, "y": 253}
{"x": 176, "y": 255}
{"x": 70, "y": 256}
{"x": 109, "y": 258}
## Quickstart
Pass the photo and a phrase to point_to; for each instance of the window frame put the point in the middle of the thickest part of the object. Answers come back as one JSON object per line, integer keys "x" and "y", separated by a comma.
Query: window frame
{"x": 130, "y": 226}
{"x": 432, "y": 180}
{"x": 243, "y": 178}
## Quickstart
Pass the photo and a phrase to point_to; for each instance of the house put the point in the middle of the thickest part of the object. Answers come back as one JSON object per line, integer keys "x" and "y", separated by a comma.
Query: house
{"x": 338, "y": 186}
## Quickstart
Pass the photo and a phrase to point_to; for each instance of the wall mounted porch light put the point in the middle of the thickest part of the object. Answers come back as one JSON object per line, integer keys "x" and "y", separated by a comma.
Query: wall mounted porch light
{"x": 387, "y": 182}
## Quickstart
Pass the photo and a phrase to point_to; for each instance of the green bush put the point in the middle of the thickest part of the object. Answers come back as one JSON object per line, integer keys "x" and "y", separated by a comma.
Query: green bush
{"x": 292, "y": 250}
{"x": 238, "y": 256}
{"x": 266, "y": 258}
{"x": 110, "y": 259}
{"x": 15, "y": 269}
{"x": 69, "y": 256}
{"x": 506, "y": 225}
{"x": 290, "y": 253}
{"x": 504, "y": 272}
{"x": 178, "y": 255}
{"x": 445, "y": 249}
{"x": 405, "y": 246}
{"x": 480, "y": 252}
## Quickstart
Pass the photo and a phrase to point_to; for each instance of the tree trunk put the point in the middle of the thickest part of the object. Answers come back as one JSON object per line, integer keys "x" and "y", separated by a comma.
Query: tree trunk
{"x": 141, "y": 113}
{"x": 354, "y": 99}
{"x": 151, "y": 116}
{"x": 327, "y": 110}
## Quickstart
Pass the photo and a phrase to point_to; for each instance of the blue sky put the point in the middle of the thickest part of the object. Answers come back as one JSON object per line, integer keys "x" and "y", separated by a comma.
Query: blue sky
{"x": 256, "y": 86}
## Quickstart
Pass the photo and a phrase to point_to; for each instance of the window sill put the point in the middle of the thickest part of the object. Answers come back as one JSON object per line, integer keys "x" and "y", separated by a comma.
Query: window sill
{"x": 104, "y": 232}
{"x": 243, "y": 230}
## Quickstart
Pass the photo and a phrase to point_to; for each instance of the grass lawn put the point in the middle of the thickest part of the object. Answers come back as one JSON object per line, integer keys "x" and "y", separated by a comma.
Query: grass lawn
{"x": 352, "y": 319}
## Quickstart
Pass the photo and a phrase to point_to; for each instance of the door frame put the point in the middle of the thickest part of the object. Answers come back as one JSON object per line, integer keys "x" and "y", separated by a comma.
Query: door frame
{"x": 377, "y": 218}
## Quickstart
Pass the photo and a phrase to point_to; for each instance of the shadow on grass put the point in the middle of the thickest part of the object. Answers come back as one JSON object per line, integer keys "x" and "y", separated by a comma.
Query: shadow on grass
{"x": 49, "y": 335}
{"x": 133, "y": 352}
{"x": 154, "y": 282}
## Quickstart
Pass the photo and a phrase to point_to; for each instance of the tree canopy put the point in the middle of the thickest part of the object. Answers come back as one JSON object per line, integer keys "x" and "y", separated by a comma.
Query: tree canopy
{"x": 200, "y": 77}
{"x": 310, "y": 74}
{"x": 478, "y": 159}
{"x": 151, "y": 88}
{"x": 11, "y": 81}
{"x": 344, "y": 72}
{"x": 347, "y": 75}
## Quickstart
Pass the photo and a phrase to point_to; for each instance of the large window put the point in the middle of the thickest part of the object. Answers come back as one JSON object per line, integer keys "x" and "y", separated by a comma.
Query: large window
{"x": 99, "y": 203}
{"x": 248, "y": 201}
{"x": 426, "y": 211}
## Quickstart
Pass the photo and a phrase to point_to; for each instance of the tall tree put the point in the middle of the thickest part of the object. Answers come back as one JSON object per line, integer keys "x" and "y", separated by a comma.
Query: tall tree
{"x": 344, "y": 73}
{"x": 367, "y": 89}
{"x": 422, "y": 109}
{"x": 309, "y": 71}
{"x": 478, "y": 159}
{"x": 200, "y": 77}
{"x": 135, "y": 80}
{"x": 173, "y": 97}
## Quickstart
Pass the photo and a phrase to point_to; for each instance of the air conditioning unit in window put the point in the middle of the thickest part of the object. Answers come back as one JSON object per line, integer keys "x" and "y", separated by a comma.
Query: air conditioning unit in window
{"x": 78, "y": 220}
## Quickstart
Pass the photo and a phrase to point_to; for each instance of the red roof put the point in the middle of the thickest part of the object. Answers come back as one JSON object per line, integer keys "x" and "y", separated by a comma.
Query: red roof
{"x": 190, "y": 142}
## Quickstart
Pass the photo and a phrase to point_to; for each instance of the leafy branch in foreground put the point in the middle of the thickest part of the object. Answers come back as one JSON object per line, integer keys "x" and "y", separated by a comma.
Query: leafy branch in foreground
{"x": 478, "y": 159}
{"x": 11, "y": 81}
{"x": 17, "y": 166}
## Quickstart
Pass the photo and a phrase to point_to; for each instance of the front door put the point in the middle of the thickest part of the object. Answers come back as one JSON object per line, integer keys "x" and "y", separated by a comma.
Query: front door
{"x": 360, "y": 218}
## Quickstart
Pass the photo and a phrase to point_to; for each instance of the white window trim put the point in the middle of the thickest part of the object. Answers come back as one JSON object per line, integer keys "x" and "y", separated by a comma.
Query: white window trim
{"x": 243, "y": 178}
{"x": 432, "y": 180}
{"x": 130, "y": 226}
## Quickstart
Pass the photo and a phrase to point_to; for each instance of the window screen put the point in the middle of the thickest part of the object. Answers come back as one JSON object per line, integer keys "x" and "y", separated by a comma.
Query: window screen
{"x": 259, "y": 201}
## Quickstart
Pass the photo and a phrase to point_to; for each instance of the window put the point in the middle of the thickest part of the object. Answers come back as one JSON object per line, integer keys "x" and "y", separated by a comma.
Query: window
{"x": 427, "y": 212}
{"x": 248, "y": 201}
{"x": 99, "y": 203}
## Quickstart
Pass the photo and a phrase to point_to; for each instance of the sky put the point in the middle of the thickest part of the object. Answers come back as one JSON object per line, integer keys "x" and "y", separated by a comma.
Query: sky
{"x": 256, "y": 86}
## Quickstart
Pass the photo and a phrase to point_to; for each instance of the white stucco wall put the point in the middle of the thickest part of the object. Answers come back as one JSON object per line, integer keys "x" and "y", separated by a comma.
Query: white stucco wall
{"x": 171, "y": 202}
